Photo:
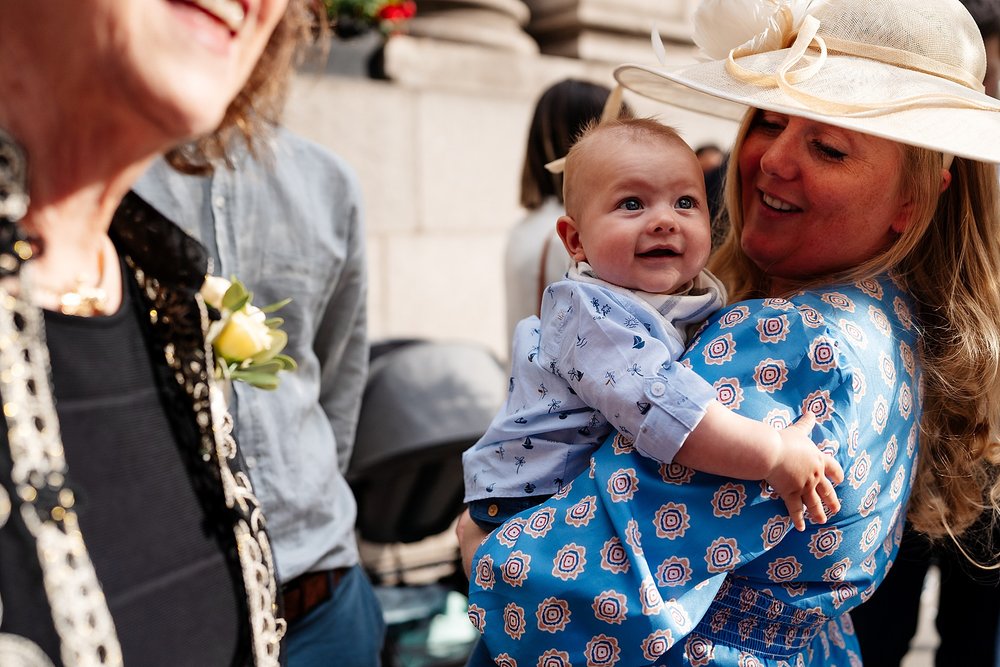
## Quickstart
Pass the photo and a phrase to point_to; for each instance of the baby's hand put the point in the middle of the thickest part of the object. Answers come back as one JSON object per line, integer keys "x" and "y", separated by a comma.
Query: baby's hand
{"x": 804, "y": 476}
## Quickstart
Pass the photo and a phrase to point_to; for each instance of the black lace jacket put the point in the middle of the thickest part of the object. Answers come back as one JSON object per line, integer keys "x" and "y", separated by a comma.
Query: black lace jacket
{"x": 40, "y": 540}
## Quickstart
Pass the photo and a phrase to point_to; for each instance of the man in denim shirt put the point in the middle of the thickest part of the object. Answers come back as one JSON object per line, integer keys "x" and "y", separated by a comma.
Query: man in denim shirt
{"x": 289, "y": 225}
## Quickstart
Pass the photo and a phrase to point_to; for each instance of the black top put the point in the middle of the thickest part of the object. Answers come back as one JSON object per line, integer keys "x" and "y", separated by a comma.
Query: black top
{"x": 162, "y": 567}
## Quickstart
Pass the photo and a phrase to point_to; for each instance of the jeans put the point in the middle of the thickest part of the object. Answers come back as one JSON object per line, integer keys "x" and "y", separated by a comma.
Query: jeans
{"x": 345, "y": 631}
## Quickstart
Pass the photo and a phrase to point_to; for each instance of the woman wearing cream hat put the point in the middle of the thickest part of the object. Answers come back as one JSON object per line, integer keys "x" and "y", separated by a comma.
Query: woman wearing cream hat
{"x": 863, "y": 261}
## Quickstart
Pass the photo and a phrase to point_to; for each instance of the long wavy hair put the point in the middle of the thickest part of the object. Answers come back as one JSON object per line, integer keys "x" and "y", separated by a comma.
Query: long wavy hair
{"x": 560, "y": 115}
{"x": 257, "y": 108}
{"x": 949, "y": 261}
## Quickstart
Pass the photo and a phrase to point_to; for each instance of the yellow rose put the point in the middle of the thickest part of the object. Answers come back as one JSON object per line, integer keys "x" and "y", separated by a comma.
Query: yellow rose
{"x": 213, "y": 290}
{"x": 244, "y": 335}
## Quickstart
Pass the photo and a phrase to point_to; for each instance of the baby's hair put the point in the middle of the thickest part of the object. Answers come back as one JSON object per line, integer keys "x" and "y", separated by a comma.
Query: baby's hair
{"x": 630, "y": 129}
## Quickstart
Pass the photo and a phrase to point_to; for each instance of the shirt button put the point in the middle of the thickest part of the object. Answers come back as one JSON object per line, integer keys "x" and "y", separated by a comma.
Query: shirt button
{"x": 251, "y": 461}
{"x": 220, "y": 202}
{"x": 657, "y": 389}
{"x": 493, "y": 510}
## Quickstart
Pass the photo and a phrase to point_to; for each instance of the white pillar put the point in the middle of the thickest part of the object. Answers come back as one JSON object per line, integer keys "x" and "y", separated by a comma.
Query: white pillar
{"x": 613, "y": 31}
{"x": 496, "y": 24}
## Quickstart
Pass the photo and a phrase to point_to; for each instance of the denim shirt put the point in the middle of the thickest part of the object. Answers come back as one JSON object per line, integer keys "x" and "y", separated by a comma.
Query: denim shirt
{"x": 290, "y": 225}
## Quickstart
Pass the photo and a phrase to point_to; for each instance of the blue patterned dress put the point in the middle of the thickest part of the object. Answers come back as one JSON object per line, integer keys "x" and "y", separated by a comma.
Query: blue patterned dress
{"x": 636, "y": 563}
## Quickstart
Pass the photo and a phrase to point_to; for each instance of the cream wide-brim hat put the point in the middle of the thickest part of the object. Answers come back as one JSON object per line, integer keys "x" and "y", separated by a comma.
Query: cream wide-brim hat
{"x": 906, "y": 70}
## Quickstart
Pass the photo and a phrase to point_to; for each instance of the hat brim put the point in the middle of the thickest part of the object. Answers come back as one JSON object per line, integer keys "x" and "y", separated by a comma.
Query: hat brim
{"x": 710, "y": 88}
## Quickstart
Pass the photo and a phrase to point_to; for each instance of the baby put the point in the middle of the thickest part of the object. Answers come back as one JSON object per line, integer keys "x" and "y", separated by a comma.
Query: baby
{"x": 602, "y": 356}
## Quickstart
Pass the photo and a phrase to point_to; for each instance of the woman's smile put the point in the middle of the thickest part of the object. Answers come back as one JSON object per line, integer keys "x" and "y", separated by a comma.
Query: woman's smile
{"x": 215, "y": 24}
{"x": 231, "y": 13}
{"x": 777, "y": 204}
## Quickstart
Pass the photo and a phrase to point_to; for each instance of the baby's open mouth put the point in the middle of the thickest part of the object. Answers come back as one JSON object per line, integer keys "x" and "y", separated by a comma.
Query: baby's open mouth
{"x": 659, "y": 252}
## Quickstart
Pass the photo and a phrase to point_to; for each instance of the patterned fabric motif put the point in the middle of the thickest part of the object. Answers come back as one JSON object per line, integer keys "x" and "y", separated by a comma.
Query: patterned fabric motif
{"x": 643, "y": 563}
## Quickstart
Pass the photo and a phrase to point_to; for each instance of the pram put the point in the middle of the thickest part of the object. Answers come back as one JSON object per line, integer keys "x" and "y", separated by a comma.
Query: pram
{"x": 424, "y": 403}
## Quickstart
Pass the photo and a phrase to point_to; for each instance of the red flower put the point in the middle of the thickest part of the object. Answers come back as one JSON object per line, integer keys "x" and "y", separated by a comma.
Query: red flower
{"x": 398, "y": 11}
{"x": 390, "y": 13}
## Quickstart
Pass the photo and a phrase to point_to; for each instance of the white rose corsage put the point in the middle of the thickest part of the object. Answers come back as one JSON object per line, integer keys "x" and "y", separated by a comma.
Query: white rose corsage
{"x": 247, "y": 343}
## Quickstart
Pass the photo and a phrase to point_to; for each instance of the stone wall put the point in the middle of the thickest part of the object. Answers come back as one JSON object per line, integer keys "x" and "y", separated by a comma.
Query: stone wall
{"x": 438, "y": 148}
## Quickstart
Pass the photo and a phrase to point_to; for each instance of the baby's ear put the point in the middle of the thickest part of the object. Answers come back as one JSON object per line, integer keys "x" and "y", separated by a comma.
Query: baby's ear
{"x": 569, "y": 233}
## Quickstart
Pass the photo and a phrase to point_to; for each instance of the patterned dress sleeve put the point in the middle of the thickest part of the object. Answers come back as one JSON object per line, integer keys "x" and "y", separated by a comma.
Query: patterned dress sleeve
{"x": 637, "y": 562}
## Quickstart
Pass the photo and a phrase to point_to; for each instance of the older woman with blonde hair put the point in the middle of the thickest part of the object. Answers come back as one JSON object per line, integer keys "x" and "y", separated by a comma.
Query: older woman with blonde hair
{"x": 128, "y": 532}
{"x": 863, "y": 261}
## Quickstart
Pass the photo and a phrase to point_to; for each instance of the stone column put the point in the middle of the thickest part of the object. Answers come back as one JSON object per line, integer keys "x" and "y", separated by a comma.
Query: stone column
{"x": 613, "y": 31}
{"x": 496, "y": 24}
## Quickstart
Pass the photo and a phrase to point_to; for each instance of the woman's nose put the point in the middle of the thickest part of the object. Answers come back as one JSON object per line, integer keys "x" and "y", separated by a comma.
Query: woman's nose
{"x": 779, "y": 159}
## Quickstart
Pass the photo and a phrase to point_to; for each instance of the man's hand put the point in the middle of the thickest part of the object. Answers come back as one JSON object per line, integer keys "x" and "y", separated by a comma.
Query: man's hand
{"x": 470, "y": 536}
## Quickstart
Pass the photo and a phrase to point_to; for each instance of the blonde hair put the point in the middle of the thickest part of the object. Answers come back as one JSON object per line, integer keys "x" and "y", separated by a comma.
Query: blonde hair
{"x": 631, "y": 129}
{"x": 257, "y": 108}
{"x": 949, "y": 261}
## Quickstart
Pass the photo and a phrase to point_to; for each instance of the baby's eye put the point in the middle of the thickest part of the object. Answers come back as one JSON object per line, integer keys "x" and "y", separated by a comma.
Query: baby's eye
{"x": 686, "y": 202}
{"x": 630, "y": 204}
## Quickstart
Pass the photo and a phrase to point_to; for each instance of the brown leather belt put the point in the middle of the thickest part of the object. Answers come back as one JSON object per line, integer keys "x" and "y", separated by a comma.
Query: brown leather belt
{"x": 307, "y": 591}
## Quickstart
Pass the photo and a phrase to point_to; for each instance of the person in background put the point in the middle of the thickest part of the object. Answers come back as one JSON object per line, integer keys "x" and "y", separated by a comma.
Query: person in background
{"x": 289, "y": 225}
{"x": 710, "y": 157}
{"x": 714, "y": 162}
{"x": 534, "y": 255}
{"x": 129, "y": 532}
{"x": 968, "y": 601}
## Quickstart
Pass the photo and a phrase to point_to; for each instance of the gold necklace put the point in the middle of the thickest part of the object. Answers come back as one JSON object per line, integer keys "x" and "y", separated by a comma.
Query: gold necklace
{"x": 82, "y": 299}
